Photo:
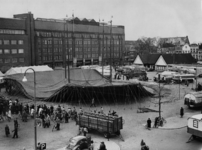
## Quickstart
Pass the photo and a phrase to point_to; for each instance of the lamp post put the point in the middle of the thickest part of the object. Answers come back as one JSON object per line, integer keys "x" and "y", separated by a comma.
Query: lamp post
{"x": 67, "y": 49}
{"x": 35, "y": 129}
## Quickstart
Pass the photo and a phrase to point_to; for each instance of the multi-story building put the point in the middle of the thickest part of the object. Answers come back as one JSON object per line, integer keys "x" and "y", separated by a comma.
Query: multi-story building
{"x": 27, "y": 41}
{"x": 195, "y": 51}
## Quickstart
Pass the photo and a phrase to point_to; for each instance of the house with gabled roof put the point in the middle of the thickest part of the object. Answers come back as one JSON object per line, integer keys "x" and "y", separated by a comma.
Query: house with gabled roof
{"x": 147, "y": 60}
{"x": 162, "y": 61}
{"x": 174, "y": 45}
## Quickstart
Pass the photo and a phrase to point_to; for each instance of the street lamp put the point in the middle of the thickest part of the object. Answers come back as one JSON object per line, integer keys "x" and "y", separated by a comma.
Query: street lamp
{"x": 35, "y": 129}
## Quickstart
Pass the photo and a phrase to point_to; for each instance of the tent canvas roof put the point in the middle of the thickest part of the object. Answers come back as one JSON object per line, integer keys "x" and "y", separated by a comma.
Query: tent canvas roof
{"x": 1, "y": 74}
{"x": 16, "y": 70}
{"x": 49, "y": 82}
{"x": 84, "y": 83}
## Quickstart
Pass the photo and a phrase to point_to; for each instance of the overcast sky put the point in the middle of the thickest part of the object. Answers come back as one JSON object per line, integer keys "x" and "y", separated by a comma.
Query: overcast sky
{"x": 149, "y": 18}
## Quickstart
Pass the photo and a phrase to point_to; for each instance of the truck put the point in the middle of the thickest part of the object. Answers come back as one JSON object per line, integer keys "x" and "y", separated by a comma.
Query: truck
{"x": 194, "y": 126}
{"x": 107, "y": 124}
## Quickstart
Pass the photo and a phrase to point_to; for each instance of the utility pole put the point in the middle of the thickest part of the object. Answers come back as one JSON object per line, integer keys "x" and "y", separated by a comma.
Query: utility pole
{"x": 159, "y": 97}
{"x": 196, "y": 77}
{"x": 103, "y": 51}
{"x": 110, "y": 50}
{"x": 68, "y": 55}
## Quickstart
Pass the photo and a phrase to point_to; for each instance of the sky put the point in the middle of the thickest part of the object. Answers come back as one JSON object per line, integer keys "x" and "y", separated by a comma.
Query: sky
{"x": 141, "y": 18}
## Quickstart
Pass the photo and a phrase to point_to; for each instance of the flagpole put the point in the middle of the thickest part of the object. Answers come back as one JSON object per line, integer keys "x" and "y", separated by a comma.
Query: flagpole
{"x": 103, "y": 51}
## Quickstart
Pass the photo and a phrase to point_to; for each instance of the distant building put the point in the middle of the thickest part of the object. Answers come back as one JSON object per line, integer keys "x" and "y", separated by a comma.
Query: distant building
{"x": 162, "y": 61}
{"x": 27, "y": 41}
{"x": 130, "y": 51}
{"x": 195, "y": 50}
{"x": 173, "y": 45}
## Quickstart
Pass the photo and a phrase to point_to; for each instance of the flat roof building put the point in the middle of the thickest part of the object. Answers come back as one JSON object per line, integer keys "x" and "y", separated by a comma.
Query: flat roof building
{"x": 27, "y": 41}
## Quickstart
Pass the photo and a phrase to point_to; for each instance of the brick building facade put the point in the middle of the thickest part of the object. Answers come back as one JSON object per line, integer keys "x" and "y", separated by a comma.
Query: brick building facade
{"x": 27, "y": 41}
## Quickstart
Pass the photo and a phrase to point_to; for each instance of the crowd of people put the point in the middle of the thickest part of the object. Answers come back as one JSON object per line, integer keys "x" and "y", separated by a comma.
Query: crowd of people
{"x": 13, "y": 109}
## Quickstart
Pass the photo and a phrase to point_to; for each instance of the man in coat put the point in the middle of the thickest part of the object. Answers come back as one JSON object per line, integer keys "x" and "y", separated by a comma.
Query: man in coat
{"x": 181, "y": 112}
{"x": 7, "y": 130}
{"x": 149, "y": 123}
{"x": 15, "y": 134}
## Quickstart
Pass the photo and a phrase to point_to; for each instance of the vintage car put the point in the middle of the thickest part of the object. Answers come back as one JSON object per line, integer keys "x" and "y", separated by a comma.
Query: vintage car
{"x": 75, "y": 143}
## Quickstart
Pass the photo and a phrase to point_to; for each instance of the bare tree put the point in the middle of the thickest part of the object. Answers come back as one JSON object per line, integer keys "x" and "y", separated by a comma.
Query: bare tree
{"x": 147, "y": 45}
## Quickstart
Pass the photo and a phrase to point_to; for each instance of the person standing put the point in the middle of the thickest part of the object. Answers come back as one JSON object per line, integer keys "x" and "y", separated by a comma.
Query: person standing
{"x": 149, "y": 123}
{"x": 85, "y": 131}
{"x": 181, "y": 112}
{"x": 142, "y": 143}
{"x": 102, "y": 146}
{"x": 15, "y": 134}
{"x": 66, "y": 117}
{"x": 7, "y": 130}
{"x": 92, "y": 103}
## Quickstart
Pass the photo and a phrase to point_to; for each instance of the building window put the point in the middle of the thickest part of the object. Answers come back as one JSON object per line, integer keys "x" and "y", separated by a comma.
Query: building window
{"x": 0, "y": 42}
{"x": 14, "y": 51}
{"x": 55, "y": 57}
{"x": 60, "y": 50}
{"x": 14, "y": 60}
{"x": 6, "y": 42}
{"x": 45, "y": 58}
{"x": 6, "y": 31}
{"x": 13, "y": 42}
{"x": 49, "y": 42}
{"x": 21, "y": 59}
{"x": 20, "y": 42}
{"x": 55, "y": 50}
{"x": 7, "y": 60}
{"x": 21, "y": 51}
{"x": 60, "y": 57}
{"x": 1, "y": 51}
{"x": 1, "y": 60}
{"x": 6, "y": 51}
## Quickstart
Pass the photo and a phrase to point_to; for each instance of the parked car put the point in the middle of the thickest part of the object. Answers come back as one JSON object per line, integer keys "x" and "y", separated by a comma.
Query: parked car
{"x": 76, "y": 142}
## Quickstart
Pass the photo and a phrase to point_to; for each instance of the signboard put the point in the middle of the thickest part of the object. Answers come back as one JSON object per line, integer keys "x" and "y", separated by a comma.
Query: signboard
{"x": 195, "y": 123}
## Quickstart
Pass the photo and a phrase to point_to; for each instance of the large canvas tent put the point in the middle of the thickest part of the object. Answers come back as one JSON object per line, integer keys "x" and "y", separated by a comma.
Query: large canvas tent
{"x": 16, "y": 70}
{"x": 84, "y": 85}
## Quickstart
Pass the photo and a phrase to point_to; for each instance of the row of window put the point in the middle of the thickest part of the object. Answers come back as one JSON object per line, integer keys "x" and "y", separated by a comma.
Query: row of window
{"x": 7, "y": 31}
{"x": 11, "y": 42}
{"x": 11, "y": 51}
{"x": 77, "y": 35}
{"x": 12, "y": 60}
{"x": 57, "y": 57}
{"x": 79, "y": 56}
{"x": 79, "y": 42}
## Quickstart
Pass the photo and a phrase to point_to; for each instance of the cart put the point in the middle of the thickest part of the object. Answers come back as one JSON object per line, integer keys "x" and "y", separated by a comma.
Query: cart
{"x": 107, "y": 124}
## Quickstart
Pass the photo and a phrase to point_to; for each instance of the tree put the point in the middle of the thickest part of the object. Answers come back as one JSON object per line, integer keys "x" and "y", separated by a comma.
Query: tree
{"x": 147, "y": 45}
{"x": 160, "y": 91}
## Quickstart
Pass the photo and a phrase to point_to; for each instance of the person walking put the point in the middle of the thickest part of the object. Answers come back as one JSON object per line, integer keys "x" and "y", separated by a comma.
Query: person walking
{"x": 16, "y": 123}
{"x": 149, "y": 123}
{"x": 181, "y": 112}
{"x": 7, "y": 130}
{"x": 15, "y": 134}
